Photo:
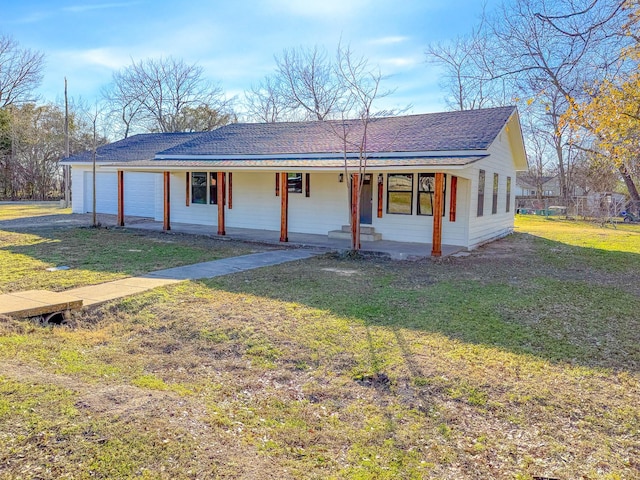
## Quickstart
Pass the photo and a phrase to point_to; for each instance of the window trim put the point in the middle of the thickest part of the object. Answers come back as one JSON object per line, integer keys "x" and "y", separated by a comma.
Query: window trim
{"x": 298, "y": 180}
{"x": 212, "y": 188}
{"x": 210, "y": 198}
{"x": 199, "y": 186}
{"x": 390, "y": 191}
{"x": 481, "y": 187}
{"x": 431, "y": 192}
{"x": 496, "y": 188}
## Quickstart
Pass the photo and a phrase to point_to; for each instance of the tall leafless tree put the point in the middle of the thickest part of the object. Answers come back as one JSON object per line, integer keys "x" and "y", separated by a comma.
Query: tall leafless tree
{"x": 267, "y": 101}
{"x": 340, "y": 91}
{"x": 308, "y": 80}
{"x": 468, "y": 75}
{"x": 548, "y": 50}
{"x": 166, "y": 95}
{"x": 20, "y": 72}
{"x": 541, "y": 54}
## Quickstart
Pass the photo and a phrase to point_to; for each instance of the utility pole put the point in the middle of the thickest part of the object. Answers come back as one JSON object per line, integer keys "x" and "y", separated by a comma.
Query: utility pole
{"x": 66, "y": 169}
{"x": 93, "y": 162}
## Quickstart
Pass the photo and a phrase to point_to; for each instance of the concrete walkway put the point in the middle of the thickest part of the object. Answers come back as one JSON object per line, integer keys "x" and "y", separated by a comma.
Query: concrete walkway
{"x": 19, "y": 303}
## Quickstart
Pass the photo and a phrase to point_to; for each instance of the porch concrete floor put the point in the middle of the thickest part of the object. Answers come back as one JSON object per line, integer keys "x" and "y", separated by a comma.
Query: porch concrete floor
{"x": 394, "y": 250}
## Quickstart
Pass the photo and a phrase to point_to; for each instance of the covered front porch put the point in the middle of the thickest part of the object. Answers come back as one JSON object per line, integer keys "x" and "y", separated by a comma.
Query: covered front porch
{"x": 254, "y": 205}
{"x": 385, "y": 248}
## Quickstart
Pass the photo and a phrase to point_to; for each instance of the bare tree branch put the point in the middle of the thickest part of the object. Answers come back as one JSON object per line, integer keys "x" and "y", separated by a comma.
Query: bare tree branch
{"x": 20, "y": 72}
{"x": 167, "y": 95}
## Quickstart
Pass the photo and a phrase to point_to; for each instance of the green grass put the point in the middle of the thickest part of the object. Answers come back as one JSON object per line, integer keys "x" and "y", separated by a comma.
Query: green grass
{"x": 97, "y": 255}
{"x": 521, "y": 360}
{"x": 11, "y": 211}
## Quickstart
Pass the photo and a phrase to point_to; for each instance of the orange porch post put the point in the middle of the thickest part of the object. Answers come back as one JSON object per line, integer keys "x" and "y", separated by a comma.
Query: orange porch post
{"x": 284, "y": 207}
{"x": 453, "y": 200}
{"x": 166, "y": 225}
{"x": 120, "y": 198}
{"x": 355, "y": 217}
{"x": 220, "y": 200}
{"x": 438, "y": 203}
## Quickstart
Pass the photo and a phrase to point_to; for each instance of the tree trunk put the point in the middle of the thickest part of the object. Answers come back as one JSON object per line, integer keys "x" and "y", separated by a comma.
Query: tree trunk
{"x": 631, "y": 186}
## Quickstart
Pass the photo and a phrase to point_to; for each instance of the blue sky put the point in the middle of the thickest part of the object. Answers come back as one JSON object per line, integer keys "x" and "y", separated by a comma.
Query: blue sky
{"x": 235, "y": 40}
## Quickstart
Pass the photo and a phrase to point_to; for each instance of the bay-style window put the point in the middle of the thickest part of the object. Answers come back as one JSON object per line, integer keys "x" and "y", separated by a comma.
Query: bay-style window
{"x": 400, "y": 193}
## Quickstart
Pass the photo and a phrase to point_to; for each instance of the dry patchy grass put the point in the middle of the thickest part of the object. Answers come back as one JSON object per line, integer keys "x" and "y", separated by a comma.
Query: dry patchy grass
{"x": 504, "y": 364}
{"x": 97, "y": 255}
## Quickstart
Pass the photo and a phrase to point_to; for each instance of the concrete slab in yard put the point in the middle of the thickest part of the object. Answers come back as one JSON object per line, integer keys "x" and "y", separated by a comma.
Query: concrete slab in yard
{"x": 32, "y": 303}
{"x": 104, "y": 292}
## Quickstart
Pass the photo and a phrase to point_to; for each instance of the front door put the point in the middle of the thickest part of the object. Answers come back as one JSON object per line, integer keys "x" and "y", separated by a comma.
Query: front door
{"x": 366, "y": 201}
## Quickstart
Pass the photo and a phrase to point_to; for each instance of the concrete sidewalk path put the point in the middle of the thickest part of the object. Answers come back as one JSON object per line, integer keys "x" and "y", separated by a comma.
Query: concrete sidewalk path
{"x": 225, "y": 266}
{"x": 94, "y": 294}
{"x": 14, "y": 303}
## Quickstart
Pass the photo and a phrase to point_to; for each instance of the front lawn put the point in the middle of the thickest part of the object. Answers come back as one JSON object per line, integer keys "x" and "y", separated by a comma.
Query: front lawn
{"x": 519, "y": 361}
{"x": 97, "y": 255}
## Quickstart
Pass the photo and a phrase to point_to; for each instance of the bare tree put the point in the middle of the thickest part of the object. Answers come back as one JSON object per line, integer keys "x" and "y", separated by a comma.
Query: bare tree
{"x": 547, "y": 50}
{"x": 541, "y": 54}
{"x": 468, "y": 75}
{"x": 164, "y": 95}
{"x": 341, "y": 92}
{"x": 308, "y": 80}
{"x": 20, "y": 72}
{"x": 267, "y": 101}
{"x": 360, "y": 85}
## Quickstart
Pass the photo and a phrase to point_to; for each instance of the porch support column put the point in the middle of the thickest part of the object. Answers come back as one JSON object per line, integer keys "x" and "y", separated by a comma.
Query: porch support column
{"x": 438, "y": 204}
{"x": 355, "y": 217}
{"x": 220, "y": 200}
{"x": 120, "y": 220}
{"x": 166, "y": 226}
{"x": 454, "y": 199}
{"x": 284, "y": 207}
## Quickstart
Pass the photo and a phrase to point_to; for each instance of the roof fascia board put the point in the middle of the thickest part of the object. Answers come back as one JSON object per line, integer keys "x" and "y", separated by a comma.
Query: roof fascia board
{"x": 516, "y": 142}
{"x": 173, "y": 168}
{"x": 310, "y": 156}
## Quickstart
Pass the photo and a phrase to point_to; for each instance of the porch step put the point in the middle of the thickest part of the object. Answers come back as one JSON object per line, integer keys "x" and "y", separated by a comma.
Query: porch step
{"x": 364, "y": 229}
{"x": 367, "y": 234}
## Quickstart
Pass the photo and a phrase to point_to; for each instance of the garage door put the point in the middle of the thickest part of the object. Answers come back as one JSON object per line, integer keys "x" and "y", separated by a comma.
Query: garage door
{"x": 106, "y": 192}
{"x": 139, "y": 193}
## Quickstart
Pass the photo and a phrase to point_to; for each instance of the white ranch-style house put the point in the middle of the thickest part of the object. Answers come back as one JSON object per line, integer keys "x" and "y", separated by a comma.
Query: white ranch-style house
{"x": 439, "y": 178}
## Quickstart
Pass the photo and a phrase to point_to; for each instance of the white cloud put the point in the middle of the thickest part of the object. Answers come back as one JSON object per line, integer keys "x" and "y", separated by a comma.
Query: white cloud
{"x": 400, "y": 62}
{"x": 388, "y": 40}
{"x": 337, "y": 9}
{"x": 100, "y": 6}
{"x": 101, "y": 57}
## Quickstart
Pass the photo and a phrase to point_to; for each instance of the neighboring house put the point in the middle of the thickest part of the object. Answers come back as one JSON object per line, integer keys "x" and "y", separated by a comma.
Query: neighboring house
{"x": 527, "y": 186}
{"x": 291, "y": 177}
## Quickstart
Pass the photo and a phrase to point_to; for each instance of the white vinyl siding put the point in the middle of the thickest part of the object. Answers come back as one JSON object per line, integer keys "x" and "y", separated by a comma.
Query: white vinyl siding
{"x": 106, "y": 192}
{"x": 492, "y": 226}
{"x": 139, "y": 192}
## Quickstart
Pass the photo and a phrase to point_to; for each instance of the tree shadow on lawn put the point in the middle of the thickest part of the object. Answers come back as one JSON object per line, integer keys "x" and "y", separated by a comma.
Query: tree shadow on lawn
{"x": 96, "y": 255}
{"x": 562, "y": 306}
